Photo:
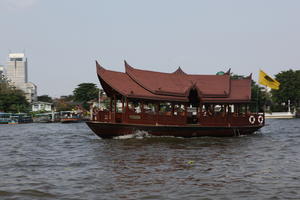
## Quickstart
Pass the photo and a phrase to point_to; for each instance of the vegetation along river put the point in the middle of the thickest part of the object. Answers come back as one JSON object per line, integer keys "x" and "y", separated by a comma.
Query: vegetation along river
{"x": 67, "y": 161}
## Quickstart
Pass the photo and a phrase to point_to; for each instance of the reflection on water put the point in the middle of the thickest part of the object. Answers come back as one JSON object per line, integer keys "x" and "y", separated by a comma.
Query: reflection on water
{"x": 67, "y": 161}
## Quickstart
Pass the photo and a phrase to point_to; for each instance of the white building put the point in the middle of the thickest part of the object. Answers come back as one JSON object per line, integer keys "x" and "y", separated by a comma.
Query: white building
{"x": 2, "y": 72}
{"x": 41, "y": 106}
{"x": 17, "y": 73}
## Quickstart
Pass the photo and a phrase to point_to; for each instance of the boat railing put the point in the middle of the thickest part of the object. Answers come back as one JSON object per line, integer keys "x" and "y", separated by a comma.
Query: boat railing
{"x": 205, "y": 119}
{"x": 232, "y": 119}
{"x": 139, "y": 118}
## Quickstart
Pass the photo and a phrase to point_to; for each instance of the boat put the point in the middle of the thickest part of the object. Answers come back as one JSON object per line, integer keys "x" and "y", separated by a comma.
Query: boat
{"x": 70, "y": 117}
{"x": 15, "y": 118}
{"x": 46, "y": 117}
{"x": 174, "y": 104}
{"x": 21, "y": 118}
{"x": 5, "y": 118}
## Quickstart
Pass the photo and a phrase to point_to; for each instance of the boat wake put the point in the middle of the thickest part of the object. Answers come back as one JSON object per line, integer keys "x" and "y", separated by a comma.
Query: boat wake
{"x": 139, "y": 134}
{"x": 136, "y": 135}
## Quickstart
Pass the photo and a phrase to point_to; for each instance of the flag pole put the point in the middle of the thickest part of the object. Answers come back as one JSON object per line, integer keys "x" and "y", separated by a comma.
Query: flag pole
{"x": 258, "y": 88}
{"x": 265, "y": 105}
{"x": 257, "y": 95}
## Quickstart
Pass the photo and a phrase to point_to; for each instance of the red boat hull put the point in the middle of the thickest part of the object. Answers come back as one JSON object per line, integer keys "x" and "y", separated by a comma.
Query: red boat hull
{"x": 110, "y": 130}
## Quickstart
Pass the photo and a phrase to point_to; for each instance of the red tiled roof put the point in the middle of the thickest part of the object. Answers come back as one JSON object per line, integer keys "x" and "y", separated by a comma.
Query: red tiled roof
{"x": 143, "y": 84}
{"x": 125, "y": 86}
{"x": 240, "y": 92}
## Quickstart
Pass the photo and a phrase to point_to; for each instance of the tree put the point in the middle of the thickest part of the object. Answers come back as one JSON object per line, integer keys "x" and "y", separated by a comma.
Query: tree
{"x": 289, "y": 89}
{"x": 45, "y": 98}
{"x": 260, "y": 97}
{"x": 11, "y": 99}
{"x": 86, "y": 92}
{"x": 64, "y": 103}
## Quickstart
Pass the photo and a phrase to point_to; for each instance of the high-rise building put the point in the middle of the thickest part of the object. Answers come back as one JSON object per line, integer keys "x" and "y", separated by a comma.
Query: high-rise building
{"x": 17, "y": 73}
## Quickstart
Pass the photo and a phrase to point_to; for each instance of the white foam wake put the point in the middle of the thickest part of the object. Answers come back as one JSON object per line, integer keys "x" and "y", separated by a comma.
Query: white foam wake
{"x": 138, "y": 134}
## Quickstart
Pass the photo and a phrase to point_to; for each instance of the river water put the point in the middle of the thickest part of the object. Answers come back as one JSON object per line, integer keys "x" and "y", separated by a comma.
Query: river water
{"x": 67, "y": 161}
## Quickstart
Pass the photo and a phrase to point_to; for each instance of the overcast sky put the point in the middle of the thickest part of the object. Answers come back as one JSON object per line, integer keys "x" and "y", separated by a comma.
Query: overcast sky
{"x": 63, "y": 38}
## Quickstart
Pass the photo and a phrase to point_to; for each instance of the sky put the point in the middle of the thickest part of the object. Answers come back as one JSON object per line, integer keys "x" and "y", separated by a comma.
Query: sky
{"x": 63, "y": 38}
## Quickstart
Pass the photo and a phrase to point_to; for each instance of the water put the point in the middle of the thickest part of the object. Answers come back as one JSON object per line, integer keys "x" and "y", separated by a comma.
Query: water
{"x": 67, "y": 161}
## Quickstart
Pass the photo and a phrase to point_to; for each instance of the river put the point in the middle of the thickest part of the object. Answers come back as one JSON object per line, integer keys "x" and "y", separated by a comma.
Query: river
{"x": 67, "y": 161}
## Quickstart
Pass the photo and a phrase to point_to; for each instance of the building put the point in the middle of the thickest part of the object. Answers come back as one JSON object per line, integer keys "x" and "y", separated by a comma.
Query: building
{"x": 2, "y": 72}
{"x": 17, "y": 73}
{"x": 41, "y": 106}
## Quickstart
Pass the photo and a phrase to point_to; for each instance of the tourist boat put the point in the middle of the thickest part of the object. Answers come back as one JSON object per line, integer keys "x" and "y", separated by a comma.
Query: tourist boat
{"x": 70, "y": 117}
{"x": 5, "y": 118}
{"x": 174, "y": 104}
{"x": 14, "y": 118}
{"x": 47, "y": 117}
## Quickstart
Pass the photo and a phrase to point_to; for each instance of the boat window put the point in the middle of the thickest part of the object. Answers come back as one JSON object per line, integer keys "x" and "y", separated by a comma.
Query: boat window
{"x": 134, "y": 107}
{"x": 209, "y": 109}
{"x": 179, "y": 109}
{"x": 230, "y": 108}
{"x": 243, "y": 109}
{"x": 119, "y": 106}
{"x": 165, "y": 109}
{"x": 236, "y": 110}
{"x": 218, "y": 108}
{"x": 149, "y": 108}
{"x": 192, "y": 110}
{"x": 104, "y": 104}
{"x": 112, "y": 105}
{"x": 253, "y": 108}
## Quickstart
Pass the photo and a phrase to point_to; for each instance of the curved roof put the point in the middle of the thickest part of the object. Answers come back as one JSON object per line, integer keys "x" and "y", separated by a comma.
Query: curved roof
{"x": 124, "y": 85}
{"x": 144, "y": 84}
{"x": 178, "y": 83}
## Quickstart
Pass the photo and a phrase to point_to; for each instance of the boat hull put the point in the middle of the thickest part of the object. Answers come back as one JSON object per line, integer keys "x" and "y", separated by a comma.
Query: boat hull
{"x": 110, "y": 130}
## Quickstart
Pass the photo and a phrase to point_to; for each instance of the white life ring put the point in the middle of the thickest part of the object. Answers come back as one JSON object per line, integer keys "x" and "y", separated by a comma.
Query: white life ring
{"x": 260, "y": 119}
{"x": 252, "y": 119}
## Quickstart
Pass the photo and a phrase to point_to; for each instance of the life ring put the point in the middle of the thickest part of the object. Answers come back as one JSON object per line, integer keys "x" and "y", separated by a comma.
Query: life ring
{"x": 260, "y": 119}
{"x": 252, "y": 119}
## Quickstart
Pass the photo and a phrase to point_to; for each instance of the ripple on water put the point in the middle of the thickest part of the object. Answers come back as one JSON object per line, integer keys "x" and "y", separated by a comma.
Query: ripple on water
{"x": 24, "y": 194}
{"x": 67, "y": 161}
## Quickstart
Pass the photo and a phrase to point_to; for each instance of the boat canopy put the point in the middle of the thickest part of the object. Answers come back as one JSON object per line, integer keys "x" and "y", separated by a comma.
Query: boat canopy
{"x": 174, "y": 87}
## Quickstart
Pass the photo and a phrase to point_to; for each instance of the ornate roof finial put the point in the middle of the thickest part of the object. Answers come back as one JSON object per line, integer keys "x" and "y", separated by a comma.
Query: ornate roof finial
{"x": 250, "y": 76}
{"x": 127, "y": 66}
{"x": 99, "y": 68}
{"x": 98, "y": 65}
{"x": 228, "y": 72}
{"x": 179, "y": 71}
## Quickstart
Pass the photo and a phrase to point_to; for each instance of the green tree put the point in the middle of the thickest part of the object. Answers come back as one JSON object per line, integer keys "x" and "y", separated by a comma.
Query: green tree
{"x": 260, "y": 97}
{"x": 289, "y": 88}
{"x": 85, "y": 92}
{"x": 45, "y": 98}
{"x": 64, "y": 103}
{"x": 11, "y": 99}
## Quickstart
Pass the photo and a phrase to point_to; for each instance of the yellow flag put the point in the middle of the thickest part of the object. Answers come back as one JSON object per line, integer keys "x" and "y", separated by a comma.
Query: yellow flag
{"x": 266, "y": 80}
